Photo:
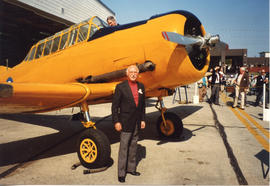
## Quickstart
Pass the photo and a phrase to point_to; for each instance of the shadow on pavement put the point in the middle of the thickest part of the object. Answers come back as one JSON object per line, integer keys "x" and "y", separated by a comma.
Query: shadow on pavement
{"x": 263, "y": 156}
{"x": 64, "y": 141}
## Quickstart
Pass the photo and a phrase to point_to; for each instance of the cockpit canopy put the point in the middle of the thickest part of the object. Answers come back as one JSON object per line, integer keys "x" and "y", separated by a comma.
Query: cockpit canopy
{"x": 75, "y": 34}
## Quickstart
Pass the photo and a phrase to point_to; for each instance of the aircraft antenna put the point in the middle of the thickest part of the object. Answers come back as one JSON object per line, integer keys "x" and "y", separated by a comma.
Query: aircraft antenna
{"x": 7, "y": 64}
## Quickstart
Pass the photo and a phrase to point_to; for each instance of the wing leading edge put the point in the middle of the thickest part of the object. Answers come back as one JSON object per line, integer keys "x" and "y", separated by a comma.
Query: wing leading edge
{"x": 34, "y": 97}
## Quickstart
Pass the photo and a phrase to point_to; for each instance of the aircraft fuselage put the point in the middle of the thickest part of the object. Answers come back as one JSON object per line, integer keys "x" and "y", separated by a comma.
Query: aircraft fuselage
{"x": 115, "y": 48}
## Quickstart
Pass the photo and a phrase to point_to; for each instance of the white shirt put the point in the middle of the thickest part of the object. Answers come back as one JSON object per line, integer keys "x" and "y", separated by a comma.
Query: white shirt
{"x": 239, "y": 79}
{"x": 217, "y": 78}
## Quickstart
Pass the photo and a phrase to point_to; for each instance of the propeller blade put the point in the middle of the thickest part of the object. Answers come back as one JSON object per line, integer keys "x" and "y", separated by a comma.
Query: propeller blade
{"x": 180, "y": 39}
{"x": 204, "y": 42}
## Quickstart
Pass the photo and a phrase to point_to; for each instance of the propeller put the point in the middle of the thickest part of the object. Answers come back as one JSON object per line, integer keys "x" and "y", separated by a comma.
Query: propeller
{"x": 207, "y": 41}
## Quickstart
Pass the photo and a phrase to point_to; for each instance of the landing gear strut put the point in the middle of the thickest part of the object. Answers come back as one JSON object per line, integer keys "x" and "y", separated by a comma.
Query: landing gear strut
{"x": 169, "y": 125}
{"x": 93, "y": 146}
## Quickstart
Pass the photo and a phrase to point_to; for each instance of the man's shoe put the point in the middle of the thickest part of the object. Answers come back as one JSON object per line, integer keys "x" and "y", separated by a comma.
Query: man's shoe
{"x": 242, "y": 108}
{"x": 134, "y": 173}
{"x": 233, "y": 106}
{"x": 121, "y": 179}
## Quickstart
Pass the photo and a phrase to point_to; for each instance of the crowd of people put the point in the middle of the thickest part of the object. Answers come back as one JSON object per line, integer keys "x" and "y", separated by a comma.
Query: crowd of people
{"x": 242, "y": 83}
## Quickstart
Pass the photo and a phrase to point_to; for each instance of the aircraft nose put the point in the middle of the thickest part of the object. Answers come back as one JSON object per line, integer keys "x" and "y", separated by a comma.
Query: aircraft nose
{"x": 197, "y": 54}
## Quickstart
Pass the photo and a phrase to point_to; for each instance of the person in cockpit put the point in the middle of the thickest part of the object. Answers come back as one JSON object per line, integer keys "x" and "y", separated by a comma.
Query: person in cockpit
{"x": 112, "y": 21}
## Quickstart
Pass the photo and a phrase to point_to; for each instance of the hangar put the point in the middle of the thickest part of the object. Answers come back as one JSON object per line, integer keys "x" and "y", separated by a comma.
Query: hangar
{"x": 232, "y": 59}
{"x": 24, "y": 22}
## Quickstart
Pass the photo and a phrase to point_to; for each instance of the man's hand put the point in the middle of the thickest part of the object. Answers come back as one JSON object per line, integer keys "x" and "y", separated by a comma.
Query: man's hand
{"x": 118, "y": 126}
{"x": 142, "y": 124}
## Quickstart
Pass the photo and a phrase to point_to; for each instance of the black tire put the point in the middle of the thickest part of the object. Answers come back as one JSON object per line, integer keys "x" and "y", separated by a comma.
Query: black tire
{"x": 93, "y": 149}
{"x": 174, "y": 127}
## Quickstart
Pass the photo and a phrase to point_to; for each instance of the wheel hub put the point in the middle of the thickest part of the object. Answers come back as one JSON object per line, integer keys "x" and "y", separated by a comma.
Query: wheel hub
{"x": 167, "y": 129}
{"x": 88, "y": 150}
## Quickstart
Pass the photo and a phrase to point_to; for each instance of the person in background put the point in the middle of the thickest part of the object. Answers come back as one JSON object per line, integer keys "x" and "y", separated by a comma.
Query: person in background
{"x": 241, "y": 87}
{"x": 248, "y": 88}
{"x": 253, "y": 81}
{"x": 267, "y": 90}
{"x": 128, "y": 115}
{"x": 222, "y": 79}
{"x": 202, "y": 84}
{"x": 111, "y": 21}
{"x": 215, "y": 86}
{"x": 260, "y": 80}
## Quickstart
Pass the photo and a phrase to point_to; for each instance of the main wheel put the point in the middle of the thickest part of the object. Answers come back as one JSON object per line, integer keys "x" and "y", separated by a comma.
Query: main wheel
{"x": 173, "y": 127}
{"x": 93, "y": 148}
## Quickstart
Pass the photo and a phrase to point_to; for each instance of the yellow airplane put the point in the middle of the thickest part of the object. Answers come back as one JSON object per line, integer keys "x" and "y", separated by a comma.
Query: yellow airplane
{"x": 81, "y": 65}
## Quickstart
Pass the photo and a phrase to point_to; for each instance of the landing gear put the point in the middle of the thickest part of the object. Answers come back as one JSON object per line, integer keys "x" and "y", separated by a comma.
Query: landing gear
{"x": 93, "y": 149}
{"x": 168, "y": 124}
{"x": 93, "y": 146}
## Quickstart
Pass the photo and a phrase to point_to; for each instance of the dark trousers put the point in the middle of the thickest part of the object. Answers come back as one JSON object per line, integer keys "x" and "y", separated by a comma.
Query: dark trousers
{"x": 127, "y": 152}
{"x": 259, "y": 96}
{"x": 215, "y": 94}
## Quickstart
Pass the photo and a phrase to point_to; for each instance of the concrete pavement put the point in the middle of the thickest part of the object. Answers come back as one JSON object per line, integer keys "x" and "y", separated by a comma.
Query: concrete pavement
{"x": 40, "y": 149}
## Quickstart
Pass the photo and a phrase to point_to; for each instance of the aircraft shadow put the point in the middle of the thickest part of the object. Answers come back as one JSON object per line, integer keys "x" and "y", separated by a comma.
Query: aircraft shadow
{"x": 64, "y": 141}
{"x": 31, "y": 148}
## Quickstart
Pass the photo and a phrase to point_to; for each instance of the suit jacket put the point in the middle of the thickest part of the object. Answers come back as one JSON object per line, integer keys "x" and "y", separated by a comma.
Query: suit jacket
{"x": 214, "y": 77}
{"x": 259, "y": 84}
{"x": 244, "y": 83}
{"x": 124, "y": 109}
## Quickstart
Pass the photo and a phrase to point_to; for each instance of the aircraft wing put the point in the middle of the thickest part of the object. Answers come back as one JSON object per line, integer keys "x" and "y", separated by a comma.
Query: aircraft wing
{"x": 37, "y": 97}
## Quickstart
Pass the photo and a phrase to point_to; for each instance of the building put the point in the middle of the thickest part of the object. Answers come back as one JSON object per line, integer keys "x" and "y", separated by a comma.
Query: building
{"x": 232, "y": 59}
{"x": 265, "y": 54}
{"x": 24, "y": 22}
{"x": 255, "y": 64}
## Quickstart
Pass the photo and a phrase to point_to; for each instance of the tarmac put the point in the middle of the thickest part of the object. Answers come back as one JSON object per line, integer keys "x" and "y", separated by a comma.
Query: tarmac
{"x": 219, "y": 146}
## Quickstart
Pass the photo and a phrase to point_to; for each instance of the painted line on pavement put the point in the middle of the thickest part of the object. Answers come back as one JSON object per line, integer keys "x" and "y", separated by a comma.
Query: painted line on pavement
{"x": 233, "y": 160}
{"x": 257, "y": 136}
{"x": 263, "y": 130}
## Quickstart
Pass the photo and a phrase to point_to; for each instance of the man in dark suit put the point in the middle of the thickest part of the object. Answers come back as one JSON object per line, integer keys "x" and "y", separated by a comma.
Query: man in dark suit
{"x": 261, "y": 79}
{"x": 215, "y": 80}
{"x": 128, "y": 115}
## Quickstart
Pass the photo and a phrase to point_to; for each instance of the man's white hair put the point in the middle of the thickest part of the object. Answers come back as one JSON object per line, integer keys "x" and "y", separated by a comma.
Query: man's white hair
{"x": 243, "y": 68}
{"x": 132, "y": 66}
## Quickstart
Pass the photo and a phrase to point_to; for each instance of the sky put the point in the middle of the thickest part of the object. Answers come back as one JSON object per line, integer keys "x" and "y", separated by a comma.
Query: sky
{"x": 240, "y": 23}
